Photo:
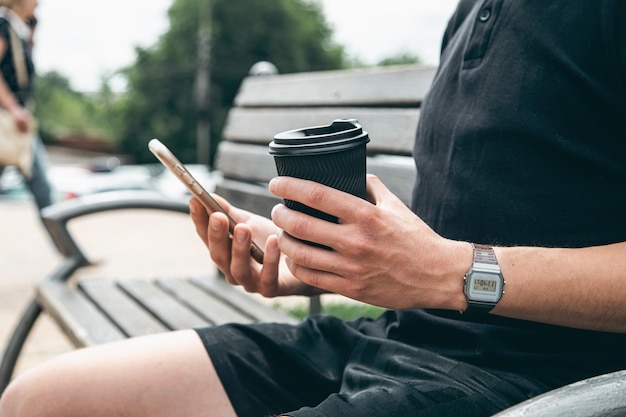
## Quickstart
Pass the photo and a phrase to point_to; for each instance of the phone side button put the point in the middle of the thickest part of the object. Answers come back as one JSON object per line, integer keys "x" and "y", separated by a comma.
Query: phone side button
{"x": 179, "y": 168}
{"x": 187, "y": 178}
{"x": 197, "y": 188}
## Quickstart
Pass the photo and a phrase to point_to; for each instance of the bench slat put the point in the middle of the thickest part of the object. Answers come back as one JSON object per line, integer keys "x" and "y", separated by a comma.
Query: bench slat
{"x": 81, "y": 321}
{"x": 252, "y": 162}
{"x": 122, "y": 309}
{"x": 224, "y": 291}
{"x": 172, "y": 313}
{"x": 252, "y": 197}
{"x": 391, "y": 130}
{"x": 402, "y": 85}
{"x": 214, "y": 310}
{"x": 245, "y": 161}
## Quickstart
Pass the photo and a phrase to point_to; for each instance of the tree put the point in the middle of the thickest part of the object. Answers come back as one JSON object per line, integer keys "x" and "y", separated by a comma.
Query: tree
{"x": 401, "y": 59}
{"x": 63, "y": 112}
{"x": 292, "y": 34}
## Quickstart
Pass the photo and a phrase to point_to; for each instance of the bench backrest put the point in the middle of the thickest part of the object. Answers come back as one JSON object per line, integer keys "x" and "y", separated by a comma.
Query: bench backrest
{"x": 384, "y": 100}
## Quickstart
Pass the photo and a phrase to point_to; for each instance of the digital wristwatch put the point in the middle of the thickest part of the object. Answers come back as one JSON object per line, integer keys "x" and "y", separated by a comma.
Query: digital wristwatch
{"x": 483, "y": 283}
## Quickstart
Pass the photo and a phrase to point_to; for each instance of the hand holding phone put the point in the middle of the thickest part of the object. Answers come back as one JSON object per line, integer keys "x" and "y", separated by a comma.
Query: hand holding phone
{"x": 168, "y": 159}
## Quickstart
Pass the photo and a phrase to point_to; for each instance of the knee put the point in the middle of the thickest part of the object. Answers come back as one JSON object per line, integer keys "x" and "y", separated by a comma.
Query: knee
{"x": 20, "y": 398}
{"x": 11, "y": 399}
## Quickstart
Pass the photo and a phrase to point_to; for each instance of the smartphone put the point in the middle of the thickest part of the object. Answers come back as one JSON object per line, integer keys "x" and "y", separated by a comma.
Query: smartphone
{"x": 168, "y": 159}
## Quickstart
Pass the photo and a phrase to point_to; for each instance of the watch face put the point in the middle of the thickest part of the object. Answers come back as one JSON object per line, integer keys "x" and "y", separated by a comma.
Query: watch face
{"x": 484, "y": 286}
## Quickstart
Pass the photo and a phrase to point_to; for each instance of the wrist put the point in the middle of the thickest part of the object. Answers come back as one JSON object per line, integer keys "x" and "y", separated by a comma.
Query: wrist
{"x": 459, "y": 261}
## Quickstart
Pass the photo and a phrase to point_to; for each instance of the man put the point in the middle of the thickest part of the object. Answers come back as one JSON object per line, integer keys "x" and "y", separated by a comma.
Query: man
{"x": 507, "y": 280}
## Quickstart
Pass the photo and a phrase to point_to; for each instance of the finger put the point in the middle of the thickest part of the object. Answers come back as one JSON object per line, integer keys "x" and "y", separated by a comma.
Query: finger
{"x": 304, "y": 255}
{"x": 268, "y": 278}
{"x": 321, "y": 197}
{"x": 200, "y": 219}
{"x": 328, "y": 282}
{"x": 240, "y": 264}
{"x": 305, "y": 227}
{"x": 219, "y": 242}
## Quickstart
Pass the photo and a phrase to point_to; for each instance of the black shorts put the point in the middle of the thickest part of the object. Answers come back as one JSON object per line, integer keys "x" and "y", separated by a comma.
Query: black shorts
{"x": 327, "y": 367}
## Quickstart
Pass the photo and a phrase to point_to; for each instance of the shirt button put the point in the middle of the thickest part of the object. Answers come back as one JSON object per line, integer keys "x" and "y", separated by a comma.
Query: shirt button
{"x": 485, "y": 14}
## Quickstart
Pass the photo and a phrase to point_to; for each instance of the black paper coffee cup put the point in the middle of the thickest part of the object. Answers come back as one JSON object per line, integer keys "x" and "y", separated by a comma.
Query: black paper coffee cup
{"x": 332, "y": 155}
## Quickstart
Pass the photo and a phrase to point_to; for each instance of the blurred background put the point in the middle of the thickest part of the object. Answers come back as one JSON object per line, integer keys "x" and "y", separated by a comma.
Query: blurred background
{"x": 111, "y": 76}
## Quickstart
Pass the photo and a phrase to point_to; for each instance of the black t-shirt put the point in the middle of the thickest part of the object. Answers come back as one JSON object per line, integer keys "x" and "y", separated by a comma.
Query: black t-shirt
{"x": 522, "y": 141}
{"x": 7, "y": 67}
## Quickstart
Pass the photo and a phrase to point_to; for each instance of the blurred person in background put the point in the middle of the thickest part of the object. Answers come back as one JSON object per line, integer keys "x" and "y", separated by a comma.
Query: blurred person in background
{"x": 19, "y": 16}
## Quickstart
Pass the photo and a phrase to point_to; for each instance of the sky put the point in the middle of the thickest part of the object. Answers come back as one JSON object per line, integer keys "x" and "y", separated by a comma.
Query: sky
{"x": 86, "y": 41}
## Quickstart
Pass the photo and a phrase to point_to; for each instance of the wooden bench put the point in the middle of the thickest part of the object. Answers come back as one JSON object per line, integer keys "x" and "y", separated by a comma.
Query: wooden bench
{"x": 94, "y": 311}
{"x": 384, "y": 100}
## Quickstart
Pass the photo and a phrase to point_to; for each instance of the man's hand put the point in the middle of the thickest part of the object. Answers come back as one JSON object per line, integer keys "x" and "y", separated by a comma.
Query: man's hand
{"x": 232, "y": 255}
{"x": 382, "y": 253}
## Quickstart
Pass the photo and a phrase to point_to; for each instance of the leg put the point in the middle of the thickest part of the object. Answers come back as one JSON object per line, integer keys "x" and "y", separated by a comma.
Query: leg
{"x": 1, "y": 172}
{"x": 162, "y": 375}
{"x": 38, "y": 183}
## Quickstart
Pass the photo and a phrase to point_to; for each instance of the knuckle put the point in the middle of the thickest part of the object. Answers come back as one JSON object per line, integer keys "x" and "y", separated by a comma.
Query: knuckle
{"x": 361, "y": 245}
{"x": 301, "y": 256}
{"x": 230, "y": 279}
{"x": 300, "y": 226}
{"x": 317, "y": 195}
{"x": 358, "y": 290}
{"x": 368, "y": 213}
{"x": 218, "y": 257}
{"x": 357, "y": 270}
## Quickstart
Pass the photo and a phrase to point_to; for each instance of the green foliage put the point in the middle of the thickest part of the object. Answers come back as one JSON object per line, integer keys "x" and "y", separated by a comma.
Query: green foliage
{"x": 292, "y": 34}
{"x": 63, "y": 112}
{"x": 344, "y": 311}
{"x": 400, "y": 59}
{"x": 160, "y": 102}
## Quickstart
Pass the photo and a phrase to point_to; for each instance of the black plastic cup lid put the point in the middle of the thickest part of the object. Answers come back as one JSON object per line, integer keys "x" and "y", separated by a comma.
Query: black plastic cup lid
{"x": 341, "y": 134}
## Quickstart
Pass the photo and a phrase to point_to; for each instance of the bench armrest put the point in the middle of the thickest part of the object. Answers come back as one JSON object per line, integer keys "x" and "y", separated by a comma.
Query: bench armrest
{"x": 599, "y": 396}
{"x": 56, "y": 217}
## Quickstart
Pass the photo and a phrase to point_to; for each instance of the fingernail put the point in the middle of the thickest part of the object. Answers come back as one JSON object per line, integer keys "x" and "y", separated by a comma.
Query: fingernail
{"x": 274, "y": 210}
{"x": 272, "y": 185}
{"x": 215, "y": 225}
{"x": 240, "y": 236}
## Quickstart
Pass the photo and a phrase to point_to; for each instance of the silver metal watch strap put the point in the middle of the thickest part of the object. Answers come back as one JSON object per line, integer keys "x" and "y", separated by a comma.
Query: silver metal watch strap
{"x": 484, "y": 254}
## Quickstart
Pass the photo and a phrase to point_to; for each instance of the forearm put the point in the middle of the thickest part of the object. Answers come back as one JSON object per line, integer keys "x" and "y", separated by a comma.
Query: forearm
{"x": 582, "y": 288}
{"x": 7, "y": 98}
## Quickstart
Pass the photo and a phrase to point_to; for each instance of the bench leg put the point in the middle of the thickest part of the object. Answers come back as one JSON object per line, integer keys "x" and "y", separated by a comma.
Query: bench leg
{"x": 315, "y": 305}
{"x": 27, "y": 321}
{"x": 14, "y": 347}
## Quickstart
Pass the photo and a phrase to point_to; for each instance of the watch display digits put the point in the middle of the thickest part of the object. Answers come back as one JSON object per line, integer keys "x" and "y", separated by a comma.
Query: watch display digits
{"x": 483, "y": 283}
